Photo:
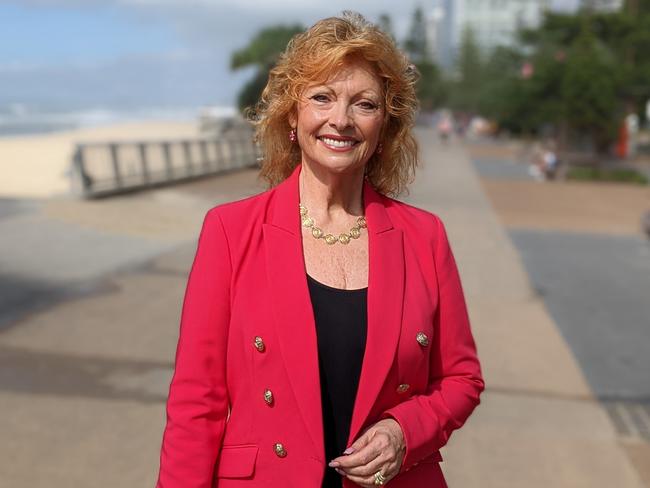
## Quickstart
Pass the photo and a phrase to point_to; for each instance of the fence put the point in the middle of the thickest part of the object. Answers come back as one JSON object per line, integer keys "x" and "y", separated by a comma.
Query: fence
{"x": 102, "y": 169}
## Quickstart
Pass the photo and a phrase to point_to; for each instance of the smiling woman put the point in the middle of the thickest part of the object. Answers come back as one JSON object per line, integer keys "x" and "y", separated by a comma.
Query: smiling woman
{"x": 308, "y": 70}
{"x": 338, "y": 123}
{"x": 324, "y": 339}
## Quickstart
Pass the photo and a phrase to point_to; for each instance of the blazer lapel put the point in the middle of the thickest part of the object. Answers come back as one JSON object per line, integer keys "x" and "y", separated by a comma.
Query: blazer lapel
{"x": 385, "y": 300}
{"x": 294, "y": 317}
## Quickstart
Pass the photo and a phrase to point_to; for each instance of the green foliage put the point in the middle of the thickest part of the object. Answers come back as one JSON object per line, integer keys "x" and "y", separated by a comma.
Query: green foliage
{"x": 264, "y": 49}
{"x": 386, "y": 24}
{"x": 621, "y": 175}
{"x": 252, "y": 89}
{"x": 624, "y": 35}
{"x": 636, "y": 7}
{"x": 465, "y": 95}
{"x": 590, "y": 68}
{"x": 502, "y": 96}
{"x": 633, "y": 48}
{"x": 431, "y": 90}
{"x": 415, "y": 44}
{"x": 589, "y": 89}
{"x": 262, "y": 52}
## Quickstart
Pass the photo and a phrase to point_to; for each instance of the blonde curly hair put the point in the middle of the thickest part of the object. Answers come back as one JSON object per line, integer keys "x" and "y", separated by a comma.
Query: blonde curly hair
{"x": 313, "y": 57}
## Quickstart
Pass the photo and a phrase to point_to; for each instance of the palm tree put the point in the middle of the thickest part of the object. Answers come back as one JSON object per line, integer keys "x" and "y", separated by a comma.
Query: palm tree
{"x": 262, "y": 52}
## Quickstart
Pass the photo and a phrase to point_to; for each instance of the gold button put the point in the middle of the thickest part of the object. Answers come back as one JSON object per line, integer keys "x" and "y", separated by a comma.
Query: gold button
{"x": 268, "y": 396}
{"x": 280, "y": 451}
{"x": 403, "y": 388}
{"x": 422, "y": 339}
{"x": 259, "y": 344}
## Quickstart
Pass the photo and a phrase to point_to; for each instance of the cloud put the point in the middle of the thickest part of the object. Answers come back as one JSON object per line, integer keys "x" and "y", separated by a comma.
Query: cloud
{"x": 79, "y": 4}
{"x": 230, "y": 20}
{"x": 213, "y": 25}
{"x": 195, "y": 72}
{"x": 173, "y": 79}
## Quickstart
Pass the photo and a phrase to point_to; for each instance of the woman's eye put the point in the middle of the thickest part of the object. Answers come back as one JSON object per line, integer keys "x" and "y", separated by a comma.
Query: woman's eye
{"x": 319, "y": 98}
{"x": 367, "y": 106}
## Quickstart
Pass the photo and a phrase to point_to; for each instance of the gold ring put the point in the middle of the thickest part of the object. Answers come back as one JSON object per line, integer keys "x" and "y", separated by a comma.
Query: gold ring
{"x": 379, "y": 479}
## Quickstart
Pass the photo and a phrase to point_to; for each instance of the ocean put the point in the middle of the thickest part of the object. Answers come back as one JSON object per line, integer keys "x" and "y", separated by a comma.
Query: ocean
{"x": 19, "y": 119}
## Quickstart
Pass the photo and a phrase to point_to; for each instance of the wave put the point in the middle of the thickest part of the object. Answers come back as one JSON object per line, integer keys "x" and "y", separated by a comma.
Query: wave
{"x": 18, "y": 119}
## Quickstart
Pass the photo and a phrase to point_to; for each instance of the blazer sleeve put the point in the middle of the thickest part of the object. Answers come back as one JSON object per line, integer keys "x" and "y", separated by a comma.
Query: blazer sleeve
{"x": 197, "y": 405}
{"x": 455, "y": 381}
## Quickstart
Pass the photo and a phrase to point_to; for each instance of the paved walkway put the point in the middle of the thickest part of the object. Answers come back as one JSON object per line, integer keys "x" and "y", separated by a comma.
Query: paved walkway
{"x": 583, "y": 248}
{"x": 538, "y": 425}
{"x": 83, "y": 380}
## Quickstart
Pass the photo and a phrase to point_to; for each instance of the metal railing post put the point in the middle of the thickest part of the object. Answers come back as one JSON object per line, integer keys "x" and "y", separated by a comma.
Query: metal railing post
{"x": 168, "y": 160}
{"x": 94, "y": 174}
{"x": 204, "y": 155}
{"x": 117, "y": 175}
{"x": 79, "y": 167}
{"x": 143, "y": 163}
{"x": 188, "y": 157}
{"x": 218, "y": 148}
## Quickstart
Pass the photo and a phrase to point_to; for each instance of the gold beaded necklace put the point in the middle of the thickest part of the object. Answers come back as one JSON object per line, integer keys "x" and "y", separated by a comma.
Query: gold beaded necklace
{"x": 317, "y": 232}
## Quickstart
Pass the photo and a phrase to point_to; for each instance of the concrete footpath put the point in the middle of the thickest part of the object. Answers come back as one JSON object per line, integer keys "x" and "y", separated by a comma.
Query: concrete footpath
{"x": 538, "y": 425}
{"x": 83, "y": 378}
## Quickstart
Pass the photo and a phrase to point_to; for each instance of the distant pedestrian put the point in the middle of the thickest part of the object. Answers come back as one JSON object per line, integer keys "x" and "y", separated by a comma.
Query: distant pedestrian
{"x": 445, "y": 127}
{"x": 550, "y": 164}
{"x": 544, "y": 161}
{"x": 536, "y": 167}
{"x": 550, "y": 159}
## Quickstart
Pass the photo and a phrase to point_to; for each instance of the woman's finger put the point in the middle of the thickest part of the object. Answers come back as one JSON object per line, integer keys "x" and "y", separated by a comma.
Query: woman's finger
{"x": 380, "y": 444}
{"x": 356, "y": 447}
{"x": 379, "y": 463}
{"x": 367, "y": 454}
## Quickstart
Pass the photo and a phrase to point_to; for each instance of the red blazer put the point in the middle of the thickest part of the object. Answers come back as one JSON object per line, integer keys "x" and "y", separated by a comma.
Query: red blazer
{"x": 248, "y": 281}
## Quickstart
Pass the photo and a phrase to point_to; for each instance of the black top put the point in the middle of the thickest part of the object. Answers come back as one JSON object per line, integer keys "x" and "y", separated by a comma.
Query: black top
{"x": 341, "y": 325}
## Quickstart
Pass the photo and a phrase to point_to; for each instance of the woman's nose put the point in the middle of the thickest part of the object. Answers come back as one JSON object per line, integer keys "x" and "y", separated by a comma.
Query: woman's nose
{"x": 340, "y": 116}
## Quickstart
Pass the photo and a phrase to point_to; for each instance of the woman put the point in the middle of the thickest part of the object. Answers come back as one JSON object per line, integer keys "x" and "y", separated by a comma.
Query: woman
{"x": 324, "y": 336}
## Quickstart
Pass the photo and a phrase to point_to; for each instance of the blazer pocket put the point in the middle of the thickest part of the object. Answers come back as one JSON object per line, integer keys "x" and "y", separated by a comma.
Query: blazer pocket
{"x": 237, "y": 461}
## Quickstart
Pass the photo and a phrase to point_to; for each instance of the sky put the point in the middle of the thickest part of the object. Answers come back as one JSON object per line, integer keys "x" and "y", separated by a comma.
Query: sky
{"x": 79, "y": 54}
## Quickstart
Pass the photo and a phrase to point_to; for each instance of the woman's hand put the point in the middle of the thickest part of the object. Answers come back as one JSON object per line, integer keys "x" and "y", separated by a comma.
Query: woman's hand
{"x": 379, "y": 449}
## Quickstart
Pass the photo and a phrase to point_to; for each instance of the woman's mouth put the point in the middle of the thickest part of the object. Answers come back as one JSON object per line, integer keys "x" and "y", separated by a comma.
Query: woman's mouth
{"x": 338, "y": 143}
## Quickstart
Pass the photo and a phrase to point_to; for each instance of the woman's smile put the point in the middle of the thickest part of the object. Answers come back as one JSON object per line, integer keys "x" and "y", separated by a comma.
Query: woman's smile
{"x": 338, "y": 123}
{"x": 338, "y": 143}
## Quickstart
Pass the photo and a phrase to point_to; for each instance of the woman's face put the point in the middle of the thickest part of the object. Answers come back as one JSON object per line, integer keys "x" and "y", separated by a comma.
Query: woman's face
{"x": 339, "y": 122}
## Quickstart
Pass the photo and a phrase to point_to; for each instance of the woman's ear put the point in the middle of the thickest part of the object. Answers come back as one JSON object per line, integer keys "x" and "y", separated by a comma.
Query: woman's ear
{"x": 293, "y": 119}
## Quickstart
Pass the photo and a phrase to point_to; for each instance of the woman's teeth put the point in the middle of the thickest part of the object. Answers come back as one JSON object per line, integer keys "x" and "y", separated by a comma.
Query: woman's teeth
{"x": 335, "y": 143}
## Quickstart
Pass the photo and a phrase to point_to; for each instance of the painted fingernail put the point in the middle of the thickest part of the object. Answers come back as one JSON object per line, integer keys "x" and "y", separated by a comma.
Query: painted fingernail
{"x": 339, "y": 471}
{"x": 334, "y": 464}
{"x": 349, "y": 450}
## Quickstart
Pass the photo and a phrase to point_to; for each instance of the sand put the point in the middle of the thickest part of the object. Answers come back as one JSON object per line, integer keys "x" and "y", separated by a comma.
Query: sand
{"x": 37, "y": 166}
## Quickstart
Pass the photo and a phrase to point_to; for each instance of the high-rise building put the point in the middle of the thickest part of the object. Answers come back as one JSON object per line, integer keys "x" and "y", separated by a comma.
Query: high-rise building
{"x": 603, "y": 5}
{"x": 434, "y": 19}
{"x": 493, "y": 22}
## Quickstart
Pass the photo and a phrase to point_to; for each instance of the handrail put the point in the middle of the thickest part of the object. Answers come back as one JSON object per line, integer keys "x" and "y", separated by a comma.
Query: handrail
{"x": 113, "y": 167}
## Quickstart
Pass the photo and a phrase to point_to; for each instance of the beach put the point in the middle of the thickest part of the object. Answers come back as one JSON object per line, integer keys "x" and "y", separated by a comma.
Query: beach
{"x": 37, "y": 165}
